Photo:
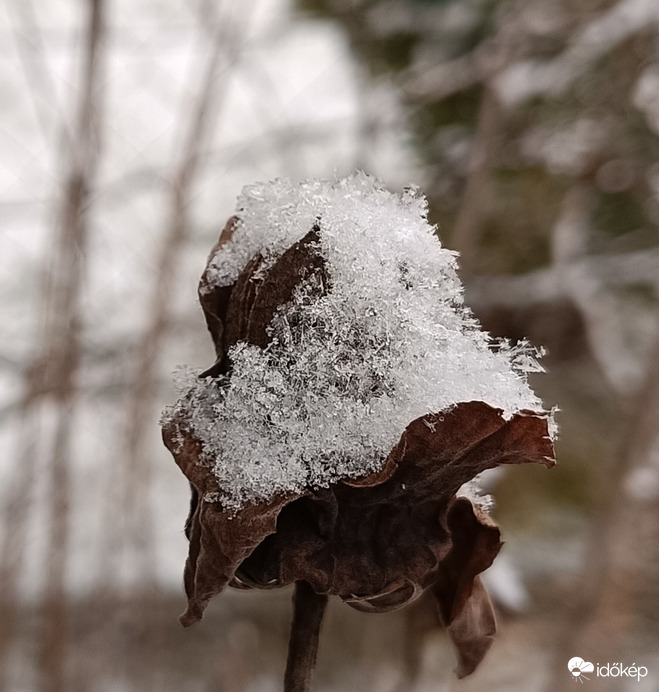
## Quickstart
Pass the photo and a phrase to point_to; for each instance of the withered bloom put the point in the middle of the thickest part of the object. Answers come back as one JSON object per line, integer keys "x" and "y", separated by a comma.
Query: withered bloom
{"x": 376, "y": 538}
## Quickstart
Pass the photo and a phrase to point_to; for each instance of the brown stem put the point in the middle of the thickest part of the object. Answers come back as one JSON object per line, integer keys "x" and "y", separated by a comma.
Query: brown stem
{"x": 308, "y": 611}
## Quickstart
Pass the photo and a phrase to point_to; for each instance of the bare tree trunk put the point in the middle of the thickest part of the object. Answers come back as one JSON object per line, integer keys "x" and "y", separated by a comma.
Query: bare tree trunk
{"x": 53, "y": 377}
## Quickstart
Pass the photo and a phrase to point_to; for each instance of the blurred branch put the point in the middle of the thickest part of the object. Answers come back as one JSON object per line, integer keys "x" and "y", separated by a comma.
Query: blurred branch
{"x": 436, "y": 82}
{"x": 52, "y": 378}
{"x": 474, "y": 202}
{"x": 481, "y": 66}
{"x": 63, "y": 355}
{"x": 611, "y": 571}
{"x": 134, "y": 182}
{"x": 27, "y": 37}
{"x": 13, "y": 541}
{"x": 621, "y": 547}
{"x": 585, "y": 280}
{"x": 526, "y": 79}
{"x": 585, "y": 288}
{"x": 227, "y": 40}
{"x": 549, "y": 285}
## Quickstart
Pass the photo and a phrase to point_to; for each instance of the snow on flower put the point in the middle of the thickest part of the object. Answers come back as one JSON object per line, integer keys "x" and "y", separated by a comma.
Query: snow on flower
{"x": 372, "y": 334}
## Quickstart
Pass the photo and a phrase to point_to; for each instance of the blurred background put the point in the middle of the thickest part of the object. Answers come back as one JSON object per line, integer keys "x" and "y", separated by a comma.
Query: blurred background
{"x": 127, "y": 129}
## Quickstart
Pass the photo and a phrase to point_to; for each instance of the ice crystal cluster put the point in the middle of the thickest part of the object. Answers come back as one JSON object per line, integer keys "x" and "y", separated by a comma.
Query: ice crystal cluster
{"x": 349, "y": 364}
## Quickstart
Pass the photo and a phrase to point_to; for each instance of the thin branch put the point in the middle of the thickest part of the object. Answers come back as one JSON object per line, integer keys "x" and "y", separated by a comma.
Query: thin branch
{"x": 583, "y": 280}
{"x": 442, "y": 80}
{"x": 14, "y": 534}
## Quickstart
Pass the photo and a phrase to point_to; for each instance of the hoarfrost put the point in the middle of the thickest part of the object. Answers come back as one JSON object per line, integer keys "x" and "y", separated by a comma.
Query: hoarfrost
{"x": 345, "y": 372}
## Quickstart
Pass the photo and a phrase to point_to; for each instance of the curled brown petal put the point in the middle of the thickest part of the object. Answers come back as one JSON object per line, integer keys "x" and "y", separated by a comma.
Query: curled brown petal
{"x": 219, "y": 540}
{"x": 463, "y": 603}
{"x": 472, "y": 632}
{"x": 375, "y": 542}
{"x": 219, "y": 543}
{"x": 244, "y": 310}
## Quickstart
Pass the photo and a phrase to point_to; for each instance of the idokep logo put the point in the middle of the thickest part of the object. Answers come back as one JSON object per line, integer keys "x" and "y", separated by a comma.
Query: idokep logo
{"x": 618, "y": 670}
{"x": 578, "y": 667}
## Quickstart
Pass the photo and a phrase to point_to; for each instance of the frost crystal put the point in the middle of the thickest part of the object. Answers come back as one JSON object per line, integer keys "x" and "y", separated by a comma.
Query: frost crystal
{"x": 347, "y": 368}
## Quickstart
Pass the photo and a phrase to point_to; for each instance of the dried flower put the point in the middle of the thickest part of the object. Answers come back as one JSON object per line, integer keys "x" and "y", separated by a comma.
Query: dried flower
{"x": 377, "y": 534}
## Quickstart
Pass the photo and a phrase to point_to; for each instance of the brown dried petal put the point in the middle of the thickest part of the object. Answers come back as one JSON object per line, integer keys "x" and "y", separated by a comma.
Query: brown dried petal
{"x": 463, "y": 603}
{"x": 445, "y": 450}
{"x": 243, "y": 311}
{"x": 376, "y": 546}
{"x": 215, "y": 299}
{"x": 273, "y": 289}
{"x": 368, "y": 542}
{"x": 219, "y": 541}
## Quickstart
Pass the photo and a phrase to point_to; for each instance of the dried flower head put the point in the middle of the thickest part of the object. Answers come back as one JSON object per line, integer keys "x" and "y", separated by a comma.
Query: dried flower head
{"x": 352, "y": 398}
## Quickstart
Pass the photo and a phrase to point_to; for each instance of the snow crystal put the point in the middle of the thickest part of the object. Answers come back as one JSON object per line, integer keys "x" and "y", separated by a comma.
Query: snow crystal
{"x": 473, "y": 491}
{"x": 390, "y": 341}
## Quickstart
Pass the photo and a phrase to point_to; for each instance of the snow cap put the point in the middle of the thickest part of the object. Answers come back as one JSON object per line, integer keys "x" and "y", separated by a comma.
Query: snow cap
{"x": 376, "y": 338}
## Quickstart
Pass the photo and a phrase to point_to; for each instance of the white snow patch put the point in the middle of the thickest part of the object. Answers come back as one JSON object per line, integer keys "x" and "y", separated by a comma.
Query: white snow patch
{"x": 389, "y": 342}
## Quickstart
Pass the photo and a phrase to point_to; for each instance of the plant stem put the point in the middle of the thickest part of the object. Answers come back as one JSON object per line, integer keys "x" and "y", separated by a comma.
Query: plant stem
{"x": 308, "y": 611}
